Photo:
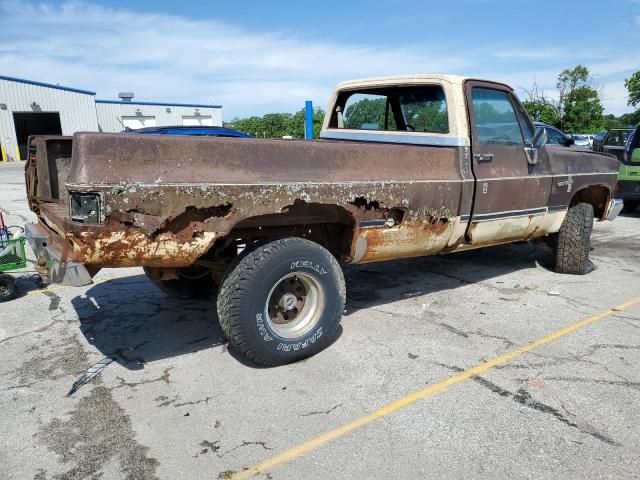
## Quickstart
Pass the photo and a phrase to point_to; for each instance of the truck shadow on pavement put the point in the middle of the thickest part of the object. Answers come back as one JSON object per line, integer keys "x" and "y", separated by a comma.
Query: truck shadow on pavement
{"x": 382, "y": 283}
{"x": 133, "y": 322}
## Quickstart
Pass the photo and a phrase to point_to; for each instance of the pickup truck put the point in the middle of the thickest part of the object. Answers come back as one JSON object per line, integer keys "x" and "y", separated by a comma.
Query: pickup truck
{"x": 406, "y": 166}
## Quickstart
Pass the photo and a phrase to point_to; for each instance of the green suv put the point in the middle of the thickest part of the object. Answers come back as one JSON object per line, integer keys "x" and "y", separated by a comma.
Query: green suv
{"x": 629, "y": 173}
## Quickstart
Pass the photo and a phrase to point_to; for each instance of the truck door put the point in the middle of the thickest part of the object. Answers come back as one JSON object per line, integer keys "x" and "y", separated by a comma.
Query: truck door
{"x": 513, "y": 182}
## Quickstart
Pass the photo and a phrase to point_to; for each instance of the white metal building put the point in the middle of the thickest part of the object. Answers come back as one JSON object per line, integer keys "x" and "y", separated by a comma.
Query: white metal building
{"x": 36, "y": 108}
{"x": 114, "y": 116}
{"x": 31, "y": 108}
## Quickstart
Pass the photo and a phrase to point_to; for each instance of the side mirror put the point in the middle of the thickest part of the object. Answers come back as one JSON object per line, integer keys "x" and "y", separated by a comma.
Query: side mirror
{"x": 570, "y": 141}
{"x": 540, "y": 138}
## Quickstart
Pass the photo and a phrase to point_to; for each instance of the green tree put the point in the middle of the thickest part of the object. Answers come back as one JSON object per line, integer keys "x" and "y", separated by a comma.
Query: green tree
{"x": 251, "y": 125}
{"x": 630, "y": 118}
{"x": 296, "y": 124}
{"x": 633, "y": 86}
{"x": 579, "y": 103}
{"x": 278, "y": 125}
{"x": 541, "y": 111}
{"x": 540, "y": 107}
{"x": 582, "y": 110}
{"x": 611, "y": 121}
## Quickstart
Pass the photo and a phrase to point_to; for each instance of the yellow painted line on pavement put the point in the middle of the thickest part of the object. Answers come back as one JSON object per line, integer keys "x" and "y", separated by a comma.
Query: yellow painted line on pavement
{"x": 430, "y": 391}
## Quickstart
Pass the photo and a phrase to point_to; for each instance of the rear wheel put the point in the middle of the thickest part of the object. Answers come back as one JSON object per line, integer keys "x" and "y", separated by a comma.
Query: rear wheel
{"x": 630, "y": 206}
{"x": 187, "y": 282}
{"x": 282, "y": 302}
{"x": 7, "y": 287}
{"x": 574, "y": 241}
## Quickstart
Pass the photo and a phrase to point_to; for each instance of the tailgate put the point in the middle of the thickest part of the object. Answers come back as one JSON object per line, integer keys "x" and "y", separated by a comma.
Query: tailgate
{"x": 47, "y": 169}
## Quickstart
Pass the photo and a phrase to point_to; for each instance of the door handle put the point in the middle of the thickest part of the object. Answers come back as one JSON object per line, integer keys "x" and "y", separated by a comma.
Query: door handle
{"x": 483, "y": 157}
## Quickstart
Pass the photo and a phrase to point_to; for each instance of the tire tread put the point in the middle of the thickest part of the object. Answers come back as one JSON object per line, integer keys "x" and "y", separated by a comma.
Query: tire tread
{"x": 574, "y": 240}
{"x": 236, "y": 282}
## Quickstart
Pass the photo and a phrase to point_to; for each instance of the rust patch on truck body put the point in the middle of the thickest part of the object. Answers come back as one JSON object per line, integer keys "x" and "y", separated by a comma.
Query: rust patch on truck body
{"x": 168, "y": 200}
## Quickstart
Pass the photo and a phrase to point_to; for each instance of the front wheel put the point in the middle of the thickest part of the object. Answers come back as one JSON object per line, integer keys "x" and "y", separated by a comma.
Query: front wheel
{"x": 282, "y": 302}
{"x": 573, "y": 241}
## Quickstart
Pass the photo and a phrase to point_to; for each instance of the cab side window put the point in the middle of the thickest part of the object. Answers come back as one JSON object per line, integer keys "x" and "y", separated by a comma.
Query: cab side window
{"x": 495, "y": 118}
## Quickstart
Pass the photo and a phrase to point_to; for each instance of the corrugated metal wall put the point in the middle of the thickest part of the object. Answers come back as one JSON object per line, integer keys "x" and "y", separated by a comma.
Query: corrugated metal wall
{"x": 77, "y": 110}
{"x": 110, "y": 114}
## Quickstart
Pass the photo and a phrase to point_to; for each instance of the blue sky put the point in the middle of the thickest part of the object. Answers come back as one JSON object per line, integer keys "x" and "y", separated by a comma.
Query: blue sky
{"x": 256, "y": 57}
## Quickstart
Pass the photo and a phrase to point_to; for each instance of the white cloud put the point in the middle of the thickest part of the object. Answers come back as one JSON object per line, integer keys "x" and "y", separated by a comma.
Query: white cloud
{"x": 173, "y": 58}
{"x": 614, "y": 96}
{"x": 167, "y": 57}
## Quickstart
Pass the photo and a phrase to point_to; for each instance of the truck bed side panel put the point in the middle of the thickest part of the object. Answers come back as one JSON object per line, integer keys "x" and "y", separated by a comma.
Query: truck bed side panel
{"x": 169, "y": 199}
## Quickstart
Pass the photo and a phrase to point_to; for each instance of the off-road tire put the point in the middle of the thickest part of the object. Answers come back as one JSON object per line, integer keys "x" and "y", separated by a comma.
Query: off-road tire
{"x": 251, "y": 281}
{"x": 574, "y": 241}
{"x": 7, "y": 287}
{"x": 183, "y": 287}
{"x": 630, "y": 206}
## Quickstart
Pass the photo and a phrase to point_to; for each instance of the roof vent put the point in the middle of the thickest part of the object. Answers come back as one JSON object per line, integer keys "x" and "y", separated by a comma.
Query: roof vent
{"x": 126, "y": 96}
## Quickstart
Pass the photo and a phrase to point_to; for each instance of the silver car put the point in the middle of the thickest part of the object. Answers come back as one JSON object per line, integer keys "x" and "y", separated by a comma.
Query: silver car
{"x": 583, "y": 140}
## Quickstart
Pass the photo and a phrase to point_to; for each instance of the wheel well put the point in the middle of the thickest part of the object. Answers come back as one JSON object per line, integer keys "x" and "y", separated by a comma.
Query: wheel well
{"x": 596, "y": 195}
{"x": 331, "y": 226}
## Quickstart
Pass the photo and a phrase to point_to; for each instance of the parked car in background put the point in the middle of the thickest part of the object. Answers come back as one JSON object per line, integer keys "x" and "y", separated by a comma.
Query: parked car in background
{"x": 629, "y": 173}
{"x": 197, "y": 131}
{"x": 582, "y": 140}
{"x": 598, "y": 139}
{"x": 615, "y": 141}
{"x": 555, "y": 136}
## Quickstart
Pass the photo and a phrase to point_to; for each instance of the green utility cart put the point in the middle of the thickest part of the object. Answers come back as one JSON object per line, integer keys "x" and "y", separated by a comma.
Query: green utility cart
{"x": 12, "y": 257}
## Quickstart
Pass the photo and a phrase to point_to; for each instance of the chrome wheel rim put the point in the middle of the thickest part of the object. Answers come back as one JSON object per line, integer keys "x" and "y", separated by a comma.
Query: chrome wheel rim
{"x": 294, "y": 305}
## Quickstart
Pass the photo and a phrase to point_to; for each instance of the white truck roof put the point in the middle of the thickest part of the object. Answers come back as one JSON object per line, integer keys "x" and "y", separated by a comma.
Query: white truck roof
{"x": 410, "y": 79}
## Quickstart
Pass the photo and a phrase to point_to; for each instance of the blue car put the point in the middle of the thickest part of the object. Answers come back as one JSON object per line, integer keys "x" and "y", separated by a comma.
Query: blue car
{"x": 198, "y": 131}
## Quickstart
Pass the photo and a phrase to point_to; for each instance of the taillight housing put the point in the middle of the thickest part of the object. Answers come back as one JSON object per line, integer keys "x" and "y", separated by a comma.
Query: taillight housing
{"x": 85, "y": 207}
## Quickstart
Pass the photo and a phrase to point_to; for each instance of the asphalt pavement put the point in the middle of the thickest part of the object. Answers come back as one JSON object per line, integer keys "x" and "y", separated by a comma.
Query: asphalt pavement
{"x": 482, "y": 364}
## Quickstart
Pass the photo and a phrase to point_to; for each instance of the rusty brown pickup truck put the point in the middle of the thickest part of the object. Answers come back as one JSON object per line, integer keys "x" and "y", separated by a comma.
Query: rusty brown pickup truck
{"x": 405, "y": 167}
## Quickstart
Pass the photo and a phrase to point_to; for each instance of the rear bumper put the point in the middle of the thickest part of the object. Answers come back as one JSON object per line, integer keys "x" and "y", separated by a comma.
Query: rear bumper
{"x": 52, "y": 264}
{"x": 614, "y": 209}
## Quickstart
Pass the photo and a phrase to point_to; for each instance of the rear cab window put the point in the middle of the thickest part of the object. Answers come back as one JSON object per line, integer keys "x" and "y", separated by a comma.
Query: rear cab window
{"x": 407, "y": 109}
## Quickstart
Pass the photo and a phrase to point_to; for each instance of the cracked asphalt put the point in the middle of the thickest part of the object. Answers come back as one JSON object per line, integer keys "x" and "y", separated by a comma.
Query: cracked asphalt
{"x": 177, "y": 403}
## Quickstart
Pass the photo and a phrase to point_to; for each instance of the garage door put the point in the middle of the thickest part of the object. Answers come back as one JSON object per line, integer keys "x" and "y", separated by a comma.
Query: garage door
{"x": 193, "y": 120}
{"x": 34, "y": 123}
{"x": 136, "y": 122}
